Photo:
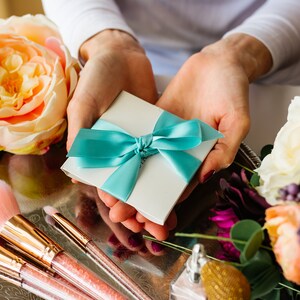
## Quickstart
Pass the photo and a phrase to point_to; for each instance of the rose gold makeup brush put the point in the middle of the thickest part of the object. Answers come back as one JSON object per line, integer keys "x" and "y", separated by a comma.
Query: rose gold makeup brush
{"x": 31, "y": 241}
{"x": 21, "y": 273}
{"x": 86, "y": 244}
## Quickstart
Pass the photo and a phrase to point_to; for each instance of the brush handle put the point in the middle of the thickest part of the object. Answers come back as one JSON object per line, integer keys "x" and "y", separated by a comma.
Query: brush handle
{"x": 83, "y": 278}
{"x": 43, "y": 284}
{"x": 115, "y": 272}
{"x": 38, "y": 292}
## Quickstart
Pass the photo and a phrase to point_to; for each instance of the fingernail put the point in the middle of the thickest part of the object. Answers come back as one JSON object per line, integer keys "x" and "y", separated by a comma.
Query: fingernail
{"x": 144, "y": 250}
{"x": 135, "y": 240}
{"x": 122, "y": 253}
{"x": 113, "y": 240}
{"x": 208, "y": 176}
{"x": 156, "y": 247}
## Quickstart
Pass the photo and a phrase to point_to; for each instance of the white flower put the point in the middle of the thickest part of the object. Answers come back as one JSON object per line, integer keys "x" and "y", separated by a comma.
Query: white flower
{"x": 282, "y": 166}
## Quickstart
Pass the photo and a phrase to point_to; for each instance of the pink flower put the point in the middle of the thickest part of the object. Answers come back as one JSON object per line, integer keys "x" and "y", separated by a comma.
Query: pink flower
{"x": 224, "y": 220}
{"x": 283, "y": 225}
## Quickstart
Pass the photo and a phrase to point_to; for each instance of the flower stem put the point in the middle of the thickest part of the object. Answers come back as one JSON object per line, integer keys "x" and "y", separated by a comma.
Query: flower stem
{"x": 218, "y": 238}
{"x": 185, "y": 250}
{"x": 168, "y": 244}
{"x": 243, "y": 167}
{"x": 289, "y": 287}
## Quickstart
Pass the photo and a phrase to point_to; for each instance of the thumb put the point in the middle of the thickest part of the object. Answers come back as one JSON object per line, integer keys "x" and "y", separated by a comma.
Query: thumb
{"x": 80, "y": 115}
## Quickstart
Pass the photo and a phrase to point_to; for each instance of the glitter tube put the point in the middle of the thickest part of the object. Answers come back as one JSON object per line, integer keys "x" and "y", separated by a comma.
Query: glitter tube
{"x": 70, "y": 268}
{"x": 36, "y": 291}
{"x": 85, "y": 243}
{"x": 115, "y": 272}
{"x": 38, "y": 280}
{"x": 37, "y": 246}
{"x": 15, "y": 270}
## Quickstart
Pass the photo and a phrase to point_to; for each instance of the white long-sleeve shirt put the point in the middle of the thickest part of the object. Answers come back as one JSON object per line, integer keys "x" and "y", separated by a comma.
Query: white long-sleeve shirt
{"x": 172, "y": 30}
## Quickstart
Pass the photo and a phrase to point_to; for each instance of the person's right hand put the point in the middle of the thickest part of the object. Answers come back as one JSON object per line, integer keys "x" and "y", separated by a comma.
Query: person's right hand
{"x": 115, "y": 61}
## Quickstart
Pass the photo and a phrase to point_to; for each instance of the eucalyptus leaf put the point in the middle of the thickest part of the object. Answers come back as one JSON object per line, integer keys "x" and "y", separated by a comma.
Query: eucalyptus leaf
{"x": 273, "y": 295}
{"x": 253, "y": 244}
{"x": 243, "y": 231}
{"x": 265, "y": 282}
{"x": 262, "y": 274}
{"x": 257, "y": 264}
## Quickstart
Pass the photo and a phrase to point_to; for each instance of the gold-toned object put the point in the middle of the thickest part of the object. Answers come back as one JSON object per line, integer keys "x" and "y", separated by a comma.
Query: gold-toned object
{"x": 77, "y": 235}
{"x": 223, "y": 281}
{"x": 10, "y": 264}
{"x": 30, "y": 240}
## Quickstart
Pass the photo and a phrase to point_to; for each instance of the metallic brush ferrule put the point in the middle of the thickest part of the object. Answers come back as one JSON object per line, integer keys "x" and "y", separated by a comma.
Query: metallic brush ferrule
{"x": 10, "y": 264}
{"x": 78, "y": 236}
{"x": 30, "y": 240}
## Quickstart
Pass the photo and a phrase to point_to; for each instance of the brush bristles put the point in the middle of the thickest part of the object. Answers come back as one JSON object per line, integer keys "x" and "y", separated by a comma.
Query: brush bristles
{"x": 8, "y": 204}
{"x": 49, "y": 220}
{"x": 49, "y": 210}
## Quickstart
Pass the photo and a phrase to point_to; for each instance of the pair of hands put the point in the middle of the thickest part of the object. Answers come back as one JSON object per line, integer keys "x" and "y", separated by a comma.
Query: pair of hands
{"x": 212, "y": 85}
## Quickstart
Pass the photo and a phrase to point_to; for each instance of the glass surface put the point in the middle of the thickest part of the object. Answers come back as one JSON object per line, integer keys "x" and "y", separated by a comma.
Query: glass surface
{"x": 37, "y": 181}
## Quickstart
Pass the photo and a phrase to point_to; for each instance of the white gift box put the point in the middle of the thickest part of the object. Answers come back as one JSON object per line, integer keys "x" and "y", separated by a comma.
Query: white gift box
{"x": 158, "y": 186}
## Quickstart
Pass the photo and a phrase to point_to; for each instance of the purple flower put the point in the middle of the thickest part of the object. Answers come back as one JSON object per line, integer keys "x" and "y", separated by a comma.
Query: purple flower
{"x": 242, "y": 198}
{"x": 237, "y": 200}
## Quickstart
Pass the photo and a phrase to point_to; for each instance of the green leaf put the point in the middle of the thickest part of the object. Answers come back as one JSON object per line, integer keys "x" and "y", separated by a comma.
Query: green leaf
{"x": 273, "y": 295}
{"x": 267, "y": 149}
{"x": 253, "y": 244}
{"x": 261, "y": 260}
{"x": 265, "y": 282}
{"x": 248, "y": 231}
{"x": 262, "y": 274}
{"x": 254, "y": 180}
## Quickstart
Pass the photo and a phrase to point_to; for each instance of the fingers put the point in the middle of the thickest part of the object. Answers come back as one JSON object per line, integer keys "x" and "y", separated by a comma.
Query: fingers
{"x": 133, "y": 225}
{"x": 160, "y": 232}
{"x": 108, "y": 200}
{"x": 225, "y": 150}
{"x": 120, "y": 212}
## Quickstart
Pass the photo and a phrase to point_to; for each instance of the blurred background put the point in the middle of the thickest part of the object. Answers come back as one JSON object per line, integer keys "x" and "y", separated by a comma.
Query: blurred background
{"x": 19, "y": 7}
{"x": 268, "y": 104}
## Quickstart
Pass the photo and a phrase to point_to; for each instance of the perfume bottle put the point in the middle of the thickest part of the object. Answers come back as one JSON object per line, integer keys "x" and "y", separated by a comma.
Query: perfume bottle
{"x": 187, "y": 284}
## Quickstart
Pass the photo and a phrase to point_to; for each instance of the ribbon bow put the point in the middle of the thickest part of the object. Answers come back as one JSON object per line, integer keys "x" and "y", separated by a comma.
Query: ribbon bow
{"x": 111, "y": 146}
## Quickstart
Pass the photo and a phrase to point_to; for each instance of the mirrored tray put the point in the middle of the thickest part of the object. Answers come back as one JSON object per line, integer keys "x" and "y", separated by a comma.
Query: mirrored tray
{"x": 38, "y": 181}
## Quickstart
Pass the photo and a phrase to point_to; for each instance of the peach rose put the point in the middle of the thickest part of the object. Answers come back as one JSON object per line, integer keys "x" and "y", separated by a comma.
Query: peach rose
{"x": 37, "y": 78}
{"x": 283, "y": 225}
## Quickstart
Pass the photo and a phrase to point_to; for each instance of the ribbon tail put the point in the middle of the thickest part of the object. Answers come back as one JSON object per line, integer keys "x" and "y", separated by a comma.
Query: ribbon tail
{"x": 184, "y": 163}
{"x": 122, "y": 181}
{"x": 209, "y": 133}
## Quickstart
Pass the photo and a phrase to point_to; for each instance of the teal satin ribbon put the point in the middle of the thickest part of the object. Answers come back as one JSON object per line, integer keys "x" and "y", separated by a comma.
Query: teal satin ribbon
{"x": 108, "y": 145}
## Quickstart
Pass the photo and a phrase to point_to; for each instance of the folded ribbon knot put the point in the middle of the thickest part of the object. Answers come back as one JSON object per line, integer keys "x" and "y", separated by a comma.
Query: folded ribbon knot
{"x": 143, "y": 146}
{"x": 107, "y": 145}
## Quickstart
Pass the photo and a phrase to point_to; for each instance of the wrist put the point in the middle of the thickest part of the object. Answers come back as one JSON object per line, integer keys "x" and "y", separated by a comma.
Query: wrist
{"x": 109, "y": 39}
{"x": 246, "y": 51}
